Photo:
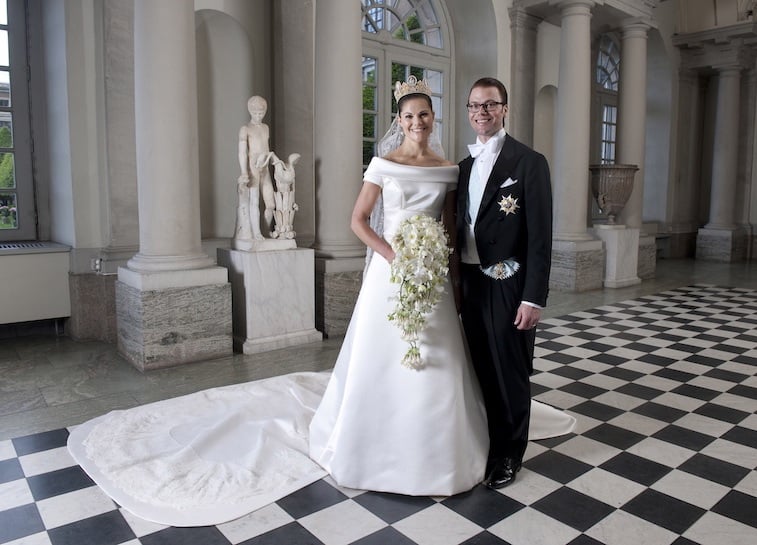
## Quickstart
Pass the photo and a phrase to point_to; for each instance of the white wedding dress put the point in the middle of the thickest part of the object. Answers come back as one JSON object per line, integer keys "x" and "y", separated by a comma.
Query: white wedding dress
{"x": 382, "y": 426}
{"x": 215, "y": 455}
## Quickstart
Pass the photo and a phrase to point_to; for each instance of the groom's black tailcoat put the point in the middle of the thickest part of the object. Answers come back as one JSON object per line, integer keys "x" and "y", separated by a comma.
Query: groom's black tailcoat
{"x": 503, "y": 355}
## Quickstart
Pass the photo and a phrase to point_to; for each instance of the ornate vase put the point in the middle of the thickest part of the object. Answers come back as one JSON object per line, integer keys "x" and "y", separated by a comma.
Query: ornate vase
{"x": 612, "y": 186}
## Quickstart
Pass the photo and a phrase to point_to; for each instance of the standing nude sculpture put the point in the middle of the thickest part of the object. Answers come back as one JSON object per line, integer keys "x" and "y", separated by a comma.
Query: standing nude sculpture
{"x": 255, "y": 177}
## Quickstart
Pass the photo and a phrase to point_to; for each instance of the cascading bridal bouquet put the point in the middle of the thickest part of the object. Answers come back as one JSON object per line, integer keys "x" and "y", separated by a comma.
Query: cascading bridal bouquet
{"x": 420, "y": 266}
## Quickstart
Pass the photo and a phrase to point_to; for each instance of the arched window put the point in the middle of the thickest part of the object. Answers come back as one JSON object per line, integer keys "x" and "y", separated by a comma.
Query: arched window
{"x": 606, "y": 85}
{"x": 400, "y": 38}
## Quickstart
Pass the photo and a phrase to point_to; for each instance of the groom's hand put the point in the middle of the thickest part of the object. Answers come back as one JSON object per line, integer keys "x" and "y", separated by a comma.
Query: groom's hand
{"x": 527, "y": 317}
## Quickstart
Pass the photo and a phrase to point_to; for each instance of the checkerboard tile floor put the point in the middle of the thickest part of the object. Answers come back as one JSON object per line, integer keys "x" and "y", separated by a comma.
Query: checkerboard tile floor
{"x": 664, "y": 388}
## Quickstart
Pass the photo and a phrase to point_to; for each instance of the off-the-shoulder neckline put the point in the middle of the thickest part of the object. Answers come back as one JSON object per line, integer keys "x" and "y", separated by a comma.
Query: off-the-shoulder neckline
{"x": 414, "y": 166}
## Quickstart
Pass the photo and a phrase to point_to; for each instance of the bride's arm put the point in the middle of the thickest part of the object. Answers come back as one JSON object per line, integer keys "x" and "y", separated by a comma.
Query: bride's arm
{"x": 449, "y": 219}
{"x": 359, "y": 224}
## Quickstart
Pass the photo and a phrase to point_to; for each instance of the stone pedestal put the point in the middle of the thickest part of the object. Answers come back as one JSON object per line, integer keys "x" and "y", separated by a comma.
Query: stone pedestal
{"x": 175, "y": 317}
{"x": 721, "y": 245}
{"x": 576, "y": 265}
{"x": 621, "y": 254}
{"x": 273, "y": 295}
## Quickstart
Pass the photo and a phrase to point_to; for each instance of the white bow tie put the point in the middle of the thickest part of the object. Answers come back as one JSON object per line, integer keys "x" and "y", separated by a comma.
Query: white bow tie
{"x": 478, "y": 148}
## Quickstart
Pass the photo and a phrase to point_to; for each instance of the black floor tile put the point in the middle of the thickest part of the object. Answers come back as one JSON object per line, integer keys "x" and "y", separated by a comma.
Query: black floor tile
{"x": 392, "y": 507}
{"x": 571, "y": 372}
{"x": 635, "y": 468}
{"x": 744, "y": 391}
{"x": 696, "y": 392}
{"x": 40, "y": 441}
{"x": 654, "y": 410}
{"x": 289, "y": 534}
{"x": 10, "y": 470}
{"x": 598, "y": 346}
{"x": 674, "y": 374}
{"x": 310, "y": 499}
{"x": 656, "y": 359}
{"x": 622, "y": 374}
{"x": 58, "y": 482}
{"x": 20, "y": 522}
{"x": 663, "y": 510}
{"x": 684, "y": 437}
{"x": 738, "y": 506}
{"x": 107, "y": 529}
{"x": 484, "y": 538}
{"x": 608, "y": 359}
{"x": 721, "y": 412}
{"x": 614, "y": 436}
{"x": 556, "y": 466}
{"x": 570, "y": 507}
{"x": 743, "y": 436}
{"x": 385, "y": 536}
{"x": 637, "y": 390}
{"x": 583, "y": 539}
{"x": 722, "y": 374}
{"x": 587, "y": 391}
{"x": 600, "y": 411}
{"x": 715, "y": 470}
{"x": 560, "y": 357}
{"x": 483, "y": 506}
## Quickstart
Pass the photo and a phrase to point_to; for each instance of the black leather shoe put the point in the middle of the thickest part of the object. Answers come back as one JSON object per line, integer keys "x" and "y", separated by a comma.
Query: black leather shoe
{"x": 503, "y": 473}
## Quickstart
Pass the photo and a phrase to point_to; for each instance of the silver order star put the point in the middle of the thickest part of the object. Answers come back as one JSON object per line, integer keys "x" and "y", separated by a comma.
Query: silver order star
{"x": 508, "y": 204}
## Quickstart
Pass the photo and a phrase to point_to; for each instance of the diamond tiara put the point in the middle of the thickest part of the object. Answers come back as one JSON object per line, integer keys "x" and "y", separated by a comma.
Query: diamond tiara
{"x": 412, "y": 85}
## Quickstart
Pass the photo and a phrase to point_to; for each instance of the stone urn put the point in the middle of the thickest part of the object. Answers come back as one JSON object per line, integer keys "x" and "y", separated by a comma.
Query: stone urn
{"x": 612, "y": 185}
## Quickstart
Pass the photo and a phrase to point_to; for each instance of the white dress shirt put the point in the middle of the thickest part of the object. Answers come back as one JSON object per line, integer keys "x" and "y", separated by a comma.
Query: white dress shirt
{"x": 484, "y": 154}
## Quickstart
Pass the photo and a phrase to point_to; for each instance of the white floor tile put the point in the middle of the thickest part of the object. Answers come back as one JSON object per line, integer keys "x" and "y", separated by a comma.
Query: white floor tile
{"x": 530, "y": 526}
{"x": 691, "y": 489}
{"x": 73, "y": 506}
{"x": 342, "y": 523}
{"x": 437, "y": 525}
{"x": 259, "y": 522}
{"x": 714, "y": 529}
{"x": 621, "y": 528}
{"x": 607, "y": 487}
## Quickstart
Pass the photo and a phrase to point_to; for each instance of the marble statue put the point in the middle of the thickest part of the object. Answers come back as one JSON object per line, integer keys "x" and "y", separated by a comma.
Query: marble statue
{"x": 255, "y": 178}
{"x": 255, "y": 161}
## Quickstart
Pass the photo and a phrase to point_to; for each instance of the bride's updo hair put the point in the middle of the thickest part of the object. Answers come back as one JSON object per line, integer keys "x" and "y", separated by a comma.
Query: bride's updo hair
{"x": 408, "y": 96}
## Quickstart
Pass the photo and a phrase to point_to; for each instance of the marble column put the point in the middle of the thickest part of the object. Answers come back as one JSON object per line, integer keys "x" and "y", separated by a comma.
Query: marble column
{"x": 93, "y": 308}
{"x": 577, "y": 258}
{"x": 338, "y": 159}
{"x": 523, "y": 29}
{"x": 686, "y": 176}
{"x": 632, "y": 107}
{"x": 717, "y": 240}
{"x": 173, "y": 305}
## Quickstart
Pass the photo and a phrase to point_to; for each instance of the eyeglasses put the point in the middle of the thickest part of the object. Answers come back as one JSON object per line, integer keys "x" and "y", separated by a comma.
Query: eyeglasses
{"x": 486, "y": 106}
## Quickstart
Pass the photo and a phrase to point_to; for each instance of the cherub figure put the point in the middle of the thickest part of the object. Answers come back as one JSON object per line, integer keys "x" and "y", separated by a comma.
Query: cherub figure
{"x": 283, "y": 173}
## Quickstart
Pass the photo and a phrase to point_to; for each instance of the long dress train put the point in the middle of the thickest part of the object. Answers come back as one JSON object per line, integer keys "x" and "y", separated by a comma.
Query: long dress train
{"x": 215, "y": 455}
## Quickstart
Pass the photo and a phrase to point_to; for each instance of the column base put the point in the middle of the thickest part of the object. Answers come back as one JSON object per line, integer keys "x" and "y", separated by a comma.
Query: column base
{"x": 647, "y": 257}
{"x": 338, "y": 282}
{"x": 171, "y": 318}
{"x": 577, "y": 265}
{"x": 273, "y": 298}
{"x": 621, "y": 254}
{"x": 721, "y": 245}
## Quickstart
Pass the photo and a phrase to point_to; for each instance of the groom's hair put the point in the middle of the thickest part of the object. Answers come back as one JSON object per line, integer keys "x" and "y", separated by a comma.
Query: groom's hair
{"x": 491, "y": 82}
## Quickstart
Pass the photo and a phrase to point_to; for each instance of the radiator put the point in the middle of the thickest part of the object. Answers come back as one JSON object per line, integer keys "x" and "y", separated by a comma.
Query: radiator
{"x": 33, "y": 281}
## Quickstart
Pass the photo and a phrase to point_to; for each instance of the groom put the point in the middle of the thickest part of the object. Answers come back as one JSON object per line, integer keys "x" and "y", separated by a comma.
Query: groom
{"x": 504, "y": 234}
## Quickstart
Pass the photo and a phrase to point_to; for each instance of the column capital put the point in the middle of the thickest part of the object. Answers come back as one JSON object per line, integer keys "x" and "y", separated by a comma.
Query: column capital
{"x": 576, "y": 6}
{"x": 521, "y": 19}
{"x": 635, "y": 27}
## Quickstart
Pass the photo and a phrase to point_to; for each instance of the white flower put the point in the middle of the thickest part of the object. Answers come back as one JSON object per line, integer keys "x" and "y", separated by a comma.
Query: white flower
{"x": 421, "y": 261}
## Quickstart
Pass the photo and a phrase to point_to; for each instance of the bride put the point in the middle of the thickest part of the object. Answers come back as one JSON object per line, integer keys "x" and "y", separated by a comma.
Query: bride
{"x": 382, "y": 426}
{"x": 372, "y": 423}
